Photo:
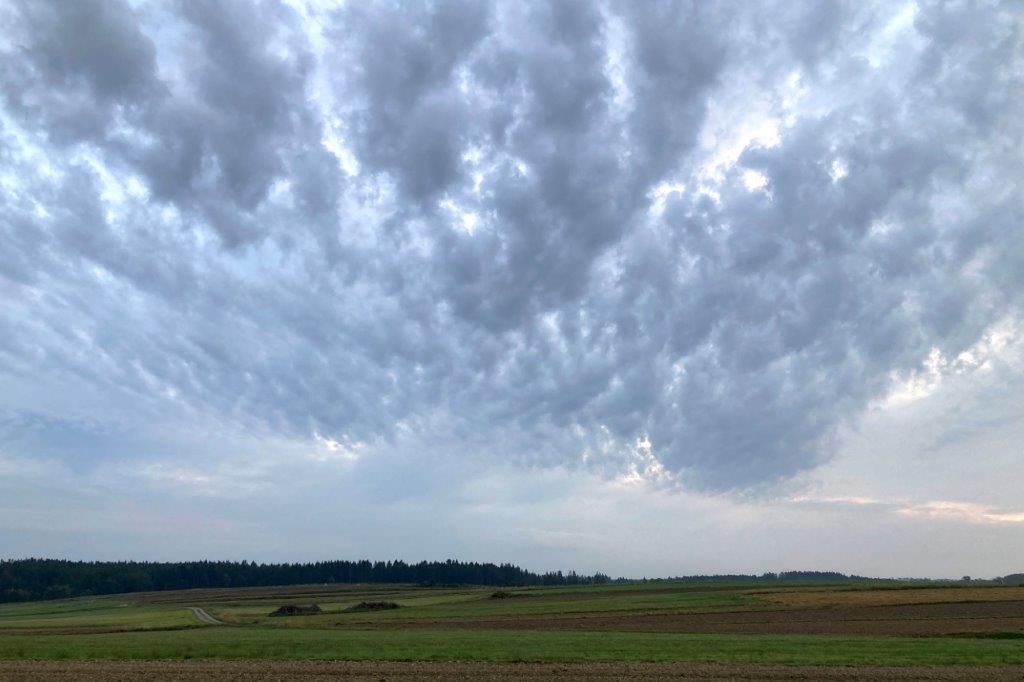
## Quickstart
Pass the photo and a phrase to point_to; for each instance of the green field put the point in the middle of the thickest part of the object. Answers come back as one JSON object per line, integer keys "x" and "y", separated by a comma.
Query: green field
{"x": 643, "y": 622}
{"x": 529, "y": 645}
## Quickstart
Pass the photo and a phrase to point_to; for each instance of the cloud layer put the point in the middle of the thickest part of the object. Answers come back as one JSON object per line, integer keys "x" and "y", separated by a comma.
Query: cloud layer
{"x": 687, "y": 239}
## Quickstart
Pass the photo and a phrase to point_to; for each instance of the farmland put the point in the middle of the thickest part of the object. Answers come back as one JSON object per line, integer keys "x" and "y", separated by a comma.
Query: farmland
{"x": 686, "y": 628}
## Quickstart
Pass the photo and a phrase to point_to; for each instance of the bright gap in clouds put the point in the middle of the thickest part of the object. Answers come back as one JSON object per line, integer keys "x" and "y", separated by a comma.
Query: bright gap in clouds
{"x": 584, "y": 274}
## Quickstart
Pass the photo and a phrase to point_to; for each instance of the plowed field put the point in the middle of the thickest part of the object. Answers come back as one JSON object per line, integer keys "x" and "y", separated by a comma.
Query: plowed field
{"x": 916, "y": 619}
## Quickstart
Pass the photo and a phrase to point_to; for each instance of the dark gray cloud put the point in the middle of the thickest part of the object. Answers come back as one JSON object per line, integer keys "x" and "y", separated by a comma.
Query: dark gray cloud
{"x": 460, "y": 225}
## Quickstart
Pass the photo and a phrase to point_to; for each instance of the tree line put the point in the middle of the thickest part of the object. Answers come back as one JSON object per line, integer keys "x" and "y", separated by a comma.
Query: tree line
{"x": 1013, "y": 579}
{"x": 35, "y": 579}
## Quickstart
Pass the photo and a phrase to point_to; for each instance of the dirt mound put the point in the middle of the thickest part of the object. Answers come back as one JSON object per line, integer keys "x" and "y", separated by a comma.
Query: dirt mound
{"x": 502, "y": 594}
{"x": 372, "y": 606}
{"x": 297, "y": 610}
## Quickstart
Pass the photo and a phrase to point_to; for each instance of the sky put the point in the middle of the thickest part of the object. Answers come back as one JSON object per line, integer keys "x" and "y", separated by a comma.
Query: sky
{"x": 654, "y": 288}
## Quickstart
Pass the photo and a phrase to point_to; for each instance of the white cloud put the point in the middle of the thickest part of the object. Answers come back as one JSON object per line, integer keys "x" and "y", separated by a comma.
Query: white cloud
{"x": 666, "y": 255}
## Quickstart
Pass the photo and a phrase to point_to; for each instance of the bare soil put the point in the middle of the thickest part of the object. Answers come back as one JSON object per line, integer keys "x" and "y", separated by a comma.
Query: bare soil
{"x": 583, "y": 595}
{"x": 911, "y": 619}
{"x": 891, "y": 597}
{"x": 372, "y": 606}
{"x": 296, "y": 610}
{"x": 289, "y": 671}
{"x": 295, "y": 593}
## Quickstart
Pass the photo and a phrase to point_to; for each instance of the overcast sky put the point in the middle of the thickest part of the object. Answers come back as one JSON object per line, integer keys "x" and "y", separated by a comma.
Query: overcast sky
{"x": 647, "y": 288}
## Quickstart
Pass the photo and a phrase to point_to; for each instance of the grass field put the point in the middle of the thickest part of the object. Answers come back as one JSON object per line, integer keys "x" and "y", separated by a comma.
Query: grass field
{"x": 838, "y": 625}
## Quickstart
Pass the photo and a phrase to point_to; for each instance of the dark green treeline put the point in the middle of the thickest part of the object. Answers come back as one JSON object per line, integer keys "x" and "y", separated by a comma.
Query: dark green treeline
{"x": 32, "y": 579}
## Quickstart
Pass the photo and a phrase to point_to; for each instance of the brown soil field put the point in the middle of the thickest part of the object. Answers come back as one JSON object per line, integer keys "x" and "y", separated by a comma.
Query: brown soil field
{"x": 911, "y": 619}
{"x": 585, "y": 595}
{"x": 251, "y": 671}
{"x": 294, "y": 592}
{"x": 344, "y": 590}
{"x": 893, "y": 597}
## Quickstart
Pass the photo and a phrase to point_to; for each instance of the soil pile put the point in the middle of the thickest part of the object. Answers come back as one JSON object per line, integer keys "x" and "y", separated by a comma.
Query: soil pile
{"x": 372, "y": 606}
{"x": 297, "y": 610}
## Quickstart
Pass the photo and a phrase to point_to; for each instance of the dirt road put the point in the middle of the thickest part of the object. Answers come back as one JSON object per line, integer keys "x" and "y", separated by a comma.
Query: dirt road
{"x": 204, "y": 616}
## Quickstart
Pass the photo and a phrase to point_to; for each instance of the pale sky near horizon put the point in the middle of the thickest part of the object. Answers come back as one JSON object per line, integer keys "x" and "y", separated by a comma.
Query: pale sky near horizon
{"x": 650, "y": 288}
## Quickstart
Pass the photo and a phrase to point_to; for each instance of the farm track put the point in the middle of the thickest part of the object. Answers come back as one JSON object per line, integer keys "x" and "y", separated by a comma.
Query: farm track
{"x": 123, "y": 671}
{"x": 916, "y": 619}
{"x": 205, "y": 617}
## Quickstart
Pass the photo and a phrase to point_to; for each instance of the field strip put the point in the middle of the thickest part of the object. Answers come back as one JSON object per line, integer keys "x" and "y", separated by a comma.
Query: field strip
{"x": 295, "y": 671}
{"x": 204, "y": 616}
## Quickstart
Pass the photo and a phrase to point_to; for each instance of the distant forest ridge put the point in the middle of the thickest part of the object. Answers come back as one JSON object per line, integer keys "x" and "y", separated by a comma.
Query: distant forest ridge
{"x": 34, "y": 579}
{"x": 37, "y": 579}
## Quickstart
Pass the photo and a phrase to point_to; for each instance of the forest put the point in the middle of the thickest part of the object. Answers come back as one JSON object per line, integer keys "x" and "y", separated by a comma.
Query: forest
{"x": 34, "y": 579}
